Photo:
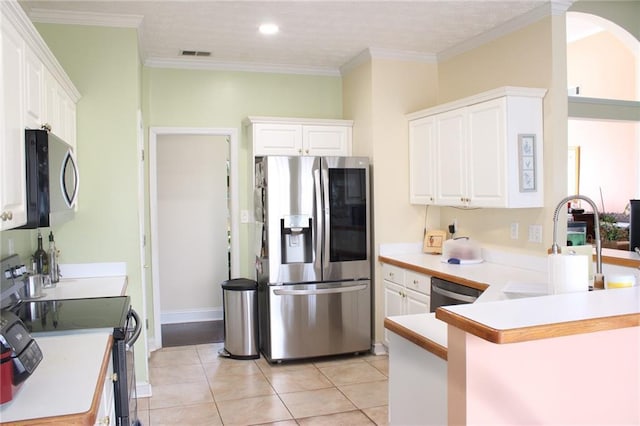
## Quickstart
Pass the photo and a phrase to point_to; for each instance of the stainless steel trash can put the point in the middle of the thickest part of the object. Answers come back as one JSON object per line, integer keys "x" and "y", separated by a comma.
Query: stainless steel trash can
{"x": 240, "y": 306}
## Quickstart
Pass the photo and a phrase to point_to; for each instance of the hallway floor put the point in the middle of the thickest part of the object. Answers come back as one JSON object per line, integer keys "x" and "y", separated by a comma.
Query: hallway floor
{"x": 193, "y": 386}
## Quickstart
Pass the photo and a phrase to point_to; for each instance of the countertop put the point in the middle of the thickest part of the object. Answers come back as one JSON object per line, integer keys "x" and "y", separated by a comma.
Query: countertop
{"x": 68, "y": 381}
{"x": 67, "y": 385}
{"x": 82, "y": 288}
{"x": 505, "y": 317}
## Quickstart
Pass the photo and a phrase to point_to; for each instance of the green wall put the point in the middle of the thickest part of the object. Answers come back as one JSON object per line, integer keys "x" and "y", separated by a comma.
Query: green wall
{"x": 223, "y": 99}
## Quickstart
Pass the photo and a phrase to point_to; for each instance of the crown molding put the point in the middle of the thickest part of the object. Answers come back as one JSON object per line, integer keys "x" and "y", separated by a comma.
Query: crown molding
{"x": 208, "y": 64}
{"x": 555, "y": 7}
{"x": 48, "y": 16}
{"x": 372, "y": 53}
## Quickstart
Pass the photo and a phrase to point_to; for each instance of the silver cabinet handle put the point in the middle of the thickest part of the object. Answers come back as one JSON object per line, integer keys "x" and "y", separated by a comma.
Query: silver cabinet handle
{"x": 455, "y": 296}
{"x": 346, "y": 289}
{"x": 6, "y": 216}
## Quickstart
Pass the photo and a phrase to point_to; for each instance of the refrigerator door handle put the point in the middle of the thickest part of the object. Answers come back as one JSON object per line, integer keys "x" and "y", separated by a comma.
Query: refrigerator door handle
{"x": 317, "y": 261}
{"x": 344, "y": 289}
{"x": 326, "y": 219}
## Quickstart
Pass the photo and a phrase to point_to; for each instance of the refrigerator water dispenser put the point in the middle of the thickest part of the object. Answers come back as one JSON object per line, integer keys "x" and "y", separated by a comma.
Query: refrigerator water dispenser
{"x": 296, "y": 233}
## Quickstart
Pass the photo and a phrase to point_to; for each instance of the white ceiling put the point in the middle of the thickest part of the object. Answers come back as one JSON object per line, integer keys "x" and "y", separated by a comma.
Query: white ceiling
{"x": 316, "y": 37}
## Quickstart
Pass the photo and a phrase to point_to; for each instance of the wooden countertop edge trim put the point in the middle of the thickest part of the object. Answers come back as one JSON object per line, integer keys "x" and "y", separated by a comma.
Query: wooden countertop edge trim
{"x": 86, "y": 418}
{"x": 438, "y": 274}
{"x": 537, "y": 332}
{"x": 415, "y": 338}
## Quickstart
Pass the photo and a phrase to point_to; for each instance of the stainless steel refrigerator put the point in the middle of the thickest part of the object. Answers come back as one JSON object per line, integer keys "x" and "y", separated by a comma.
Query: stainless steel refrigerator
{"x": 313, "y": 263}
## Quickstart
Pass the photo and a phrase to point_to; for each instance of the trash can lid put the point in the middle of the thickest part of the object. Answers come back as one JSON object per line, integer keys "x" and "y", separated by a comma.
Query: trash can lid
{"x": 239, "y": 284}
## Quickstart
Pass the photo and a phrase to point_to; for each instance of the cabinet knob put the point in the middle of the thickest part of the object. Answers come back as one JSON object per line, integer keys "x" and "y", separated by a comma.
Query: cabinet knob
{"x": 416, "y": 282}
{"x": 6, "y": 216}
{"x": 299, "y": 151}
{"x": 307, "y": 151}
{"x": 46, "y": 126}
{"x": 391, "y": 274}
{"x": 104, "y": 421}
{"x": 114, "y": 377}
{"x": 462, "y": 199}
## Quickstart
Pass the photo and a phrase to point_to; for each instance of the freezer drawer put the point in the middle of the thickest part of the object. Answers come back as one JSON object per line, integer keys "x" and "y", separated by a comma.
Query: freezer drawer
{"x": 312, "y": 320}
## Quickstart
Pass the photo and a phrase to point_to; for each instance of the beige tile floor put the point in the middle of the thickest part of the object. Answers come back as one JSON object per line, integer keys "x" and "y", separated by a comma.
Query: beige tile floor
{"x": 193, "y": 386}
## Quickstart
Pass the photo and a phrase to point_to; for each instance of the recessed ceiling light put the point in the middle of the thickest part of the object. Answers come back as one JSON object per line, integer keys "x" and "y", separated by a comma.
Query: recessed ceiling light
{"x": 268, "y": 29}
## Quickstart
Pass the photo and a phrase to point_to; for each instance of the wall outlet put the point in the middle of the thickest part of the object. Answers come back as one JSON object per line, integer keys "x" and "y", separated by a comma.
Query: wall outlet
{"x": 244, "y": 216}
{"x": 453, "y": 228}
{"x": 535, "y": 234}
{"x": 514, "y": 231}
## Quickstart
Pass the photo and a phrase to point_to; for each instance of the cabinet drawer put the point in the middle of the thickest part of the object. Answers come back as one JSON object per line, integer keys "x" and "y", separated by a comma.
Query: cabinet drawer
{"x": 418, "y": 282}
{"x": 393, "y": 274}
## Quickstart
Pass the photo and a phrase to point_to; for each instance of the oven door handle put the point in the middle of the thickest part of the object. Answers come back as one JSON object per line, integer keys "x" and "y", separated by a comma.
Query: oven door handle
{"x": 453, "y": 295}
{"x": 136, "y": 331}
{"x": 345, "y": 289}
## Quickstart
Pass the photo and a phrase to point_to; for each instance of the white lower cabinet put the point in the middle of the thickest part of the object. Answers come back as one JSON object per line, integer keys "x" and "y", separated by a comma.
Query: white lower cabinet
{"x": 405, "y": 293}
{"x": 417, "y": 384}
{"x": 107, "y": 410}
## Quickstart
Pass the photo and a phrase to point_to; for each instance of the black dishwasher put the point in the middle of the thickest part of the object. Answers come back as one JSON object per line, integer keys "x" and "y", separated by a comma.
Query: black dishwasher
{"x": 446, "y": 293}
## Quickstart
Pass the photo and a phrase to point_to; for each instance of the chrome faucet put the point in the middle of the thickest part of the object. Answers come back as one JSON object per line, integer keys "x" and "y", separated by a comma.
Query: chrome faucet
{"x": 555, "y": 248}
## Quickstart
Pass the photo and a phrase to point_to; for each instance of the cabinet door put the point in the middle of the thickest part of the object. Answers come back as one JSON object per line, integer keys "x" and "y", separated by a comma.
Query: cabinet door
{"x": 393, "y": 302}
{"x": 487, "y": 154}
{"x": 417, "y": 303}
{"x": 106, "y": 409}
{"x": 13, "y": 211}
{"x": 326, "y": 140}
{"x": 34, "y": 90}
{"x": 277, "y": 139}
{"x": 422, "y": 161}
{"x": 451, "y": 158}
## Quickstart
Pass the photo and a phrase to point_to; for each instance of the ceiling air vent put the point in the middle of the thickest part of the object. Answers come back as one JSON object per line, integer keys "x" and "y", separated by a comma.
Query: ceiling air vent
{"x": 194, "y": 53}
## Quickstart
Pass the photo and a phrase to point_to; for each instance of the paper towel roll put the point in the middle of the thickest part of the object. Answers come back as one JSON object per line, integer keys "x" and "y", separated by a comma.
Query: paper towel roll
{"x": 568, "y": 273}
{"x": 586, "y": 250}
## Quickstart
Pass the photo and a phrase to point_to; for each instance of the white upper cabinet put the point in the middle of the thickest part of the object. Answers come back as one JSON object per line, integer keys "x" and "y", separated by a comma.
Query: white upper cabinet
{"x": 486, "y": 151}
{"x": 34, "y": 90}
{"x": 292, "y": 136}
{"x": 59, "y": 110}
{"x": 422, "y": 160}
{"x": 13, "y": 209}
{"x": 29, "y": 74}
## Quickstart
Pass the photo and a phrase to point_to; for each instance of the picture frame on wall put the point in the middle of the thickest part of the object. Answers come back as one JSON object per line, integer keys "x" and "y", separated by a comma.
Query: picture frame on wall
{"x": 527, "y": 162}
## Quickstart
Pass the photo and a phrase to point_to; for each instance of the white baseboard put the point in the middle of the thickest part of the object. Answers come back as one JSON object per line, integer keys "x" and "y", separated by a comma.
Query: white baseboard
{"x": 379, "y": 349}
{"x": 152, "y": 346}
{"x": 143, "y": 389}
{"x": 191, "y": 315}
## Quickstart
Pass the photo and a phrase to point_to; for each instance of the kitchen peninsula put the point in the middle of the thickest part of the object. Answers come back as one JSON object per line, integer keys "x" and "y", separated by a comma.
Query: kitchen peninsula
{"x": 539, "y": 358}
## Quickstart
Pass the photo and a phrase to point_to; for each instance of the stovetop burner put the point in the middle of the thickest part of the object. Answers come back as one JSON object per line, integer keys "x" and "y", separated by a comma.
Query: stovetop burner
{"x": 73, "y": 314}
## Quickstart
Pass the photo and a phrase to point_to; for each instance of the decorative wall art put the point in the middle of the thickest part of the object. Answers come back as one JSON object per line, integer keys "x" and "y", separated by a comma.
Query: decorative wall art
{"x": 527, "y": 162}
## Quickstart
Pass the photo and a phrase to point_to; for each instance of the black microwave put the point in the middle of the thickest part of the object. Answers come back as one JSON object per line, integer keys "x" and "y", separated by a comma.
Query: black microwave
{"x": 52, "y": 179}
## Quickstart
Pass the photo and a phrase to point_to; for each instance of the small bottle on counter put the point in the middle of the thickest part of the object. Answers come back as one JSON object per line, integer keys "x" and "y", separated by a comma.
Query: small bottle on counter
{"x": 41, "y": 258}
{"x": 54, "y": 271}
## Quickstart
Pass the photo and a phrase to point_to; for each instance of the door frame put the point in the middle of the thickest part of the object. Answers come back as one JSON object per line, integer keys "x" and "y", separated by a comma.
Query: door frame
{"x": 154, "y": 132}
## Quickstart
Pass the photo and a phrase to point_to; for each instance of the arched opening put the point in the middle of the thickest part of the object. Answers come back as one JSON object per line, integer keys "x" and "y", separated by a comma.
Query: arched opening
{"x": 603, "y": 129}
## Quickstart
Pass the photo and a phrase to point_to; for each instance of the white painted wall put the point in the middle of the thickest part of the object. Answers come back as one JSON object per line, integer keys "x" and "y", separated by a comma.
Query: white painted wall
{"x": 192, "y": 225}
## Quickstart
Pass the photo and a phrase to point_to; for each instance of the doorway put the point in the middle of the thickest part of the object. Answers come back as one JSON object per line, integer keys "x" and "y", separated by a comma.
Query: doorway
{"x": 194, "y": 229}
